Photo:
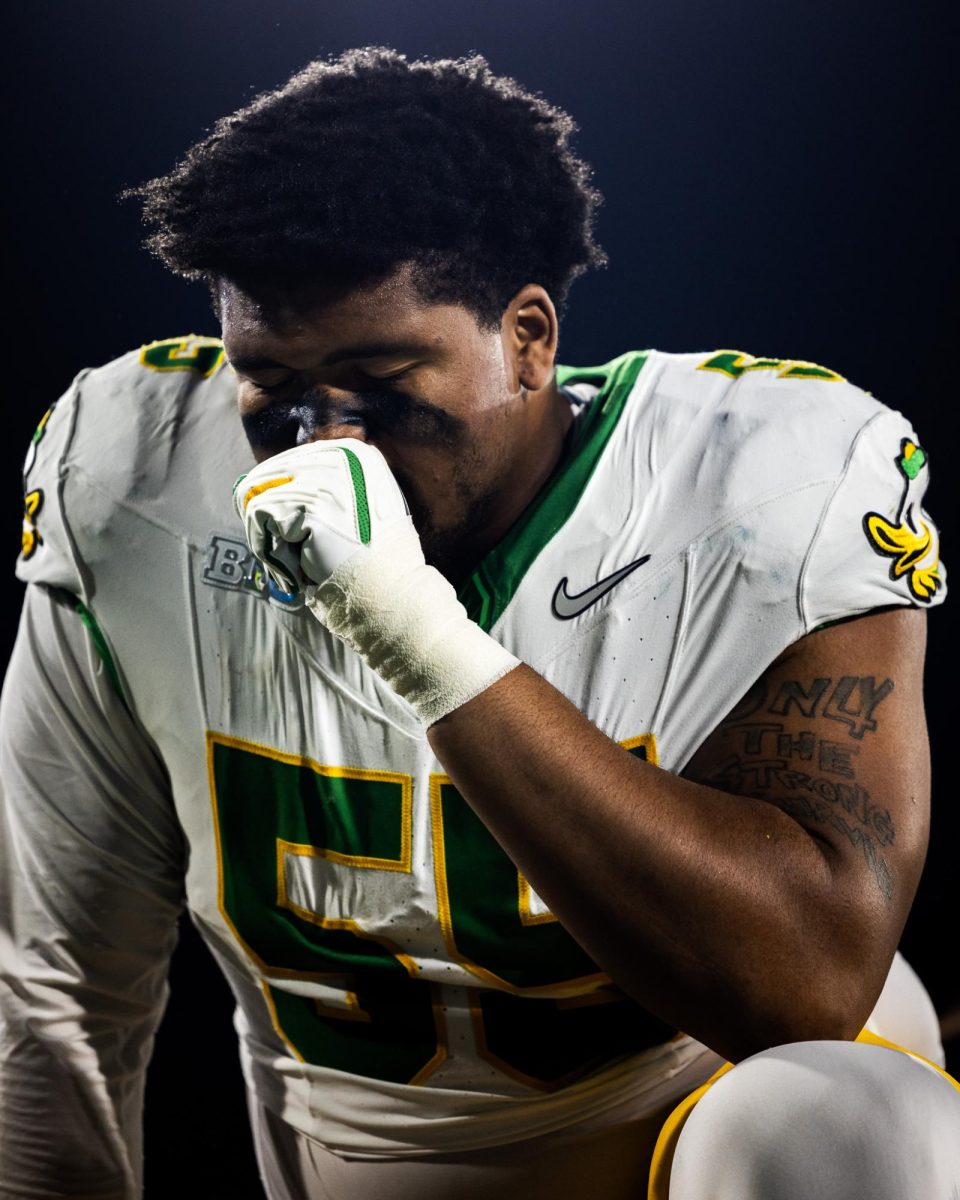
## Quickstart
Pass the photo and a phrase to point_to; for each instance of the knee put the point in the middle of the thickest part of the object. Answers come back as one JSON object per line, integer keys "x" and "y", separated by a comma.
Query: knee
{"x": 810, "y": 1119}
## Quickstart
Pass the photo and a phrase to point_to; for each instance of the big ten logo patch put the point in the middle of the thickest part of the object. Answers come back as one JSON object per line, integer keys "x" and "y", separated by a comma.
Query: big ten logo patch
{"x": 229, "y": 563}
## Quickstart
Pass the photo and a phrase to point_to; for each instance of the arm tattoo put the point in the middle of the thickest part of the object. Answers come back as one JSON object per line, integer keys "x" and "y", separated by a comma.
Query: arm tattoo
{"x": 813, "y": 799}
{"x": 811, "y": 778}
{"x": 806, "y": 808}
{"x": 769, "y": 737}
{"x": 851, "y": 701}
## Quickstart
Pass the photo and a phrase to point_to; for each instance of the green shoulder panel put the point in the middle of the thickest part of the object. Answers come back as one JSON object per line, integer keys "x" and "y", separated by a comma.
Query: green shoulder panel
{"x": 493, "y": 584}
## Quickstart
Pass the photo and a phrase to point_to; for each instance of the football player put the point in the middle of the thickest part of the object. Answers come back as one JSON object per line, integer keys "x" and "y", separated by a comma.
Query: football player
{"x": 539, "y": 750}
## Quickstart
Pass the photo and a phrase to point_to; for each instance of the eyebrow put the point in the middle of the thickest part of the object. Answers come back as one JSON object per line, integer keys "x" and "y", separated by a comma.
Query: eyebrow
{"x": 366, "y": 350}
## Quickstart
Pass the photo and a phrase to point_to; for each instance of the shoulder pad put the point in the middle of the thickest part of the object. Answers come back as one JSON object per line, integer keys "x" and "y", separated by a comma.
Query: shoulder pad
{"x": 876, "y": 545}
{"x": 762, "y": 424}
{"x": 781, "y": 425}
{"x": 155, "y": 432}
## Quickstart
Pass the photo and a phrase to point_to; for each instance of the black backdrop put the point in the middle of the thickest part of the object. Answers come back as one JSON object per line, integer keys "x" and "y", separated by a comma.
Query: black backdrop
{"x": 776, "y": 180}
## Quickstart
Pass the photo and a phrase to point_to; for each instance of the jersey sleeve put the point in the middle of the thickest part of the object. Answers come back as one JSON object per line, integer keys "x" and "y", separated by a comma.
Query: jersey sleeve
{"x": 875, "y": 545}
{"x": 91, "y": 881}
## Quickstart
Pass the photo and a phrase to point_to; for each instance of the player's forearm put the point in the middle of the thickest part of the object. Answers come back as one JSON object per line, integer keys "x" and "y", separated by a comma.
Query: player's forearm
{"x": 717, "y": 912}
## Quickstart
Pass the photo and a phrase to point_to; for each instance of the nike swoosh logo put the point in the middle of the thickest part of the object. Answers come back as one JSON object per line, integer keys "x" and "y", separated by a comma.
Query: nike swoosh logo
{"x": 566, "y": 606}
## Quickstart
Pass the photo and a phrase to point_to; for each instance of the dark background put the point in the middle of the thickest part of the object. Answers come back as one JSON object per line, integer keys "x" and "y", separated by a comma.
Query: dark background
{"x": 776, "y": 180}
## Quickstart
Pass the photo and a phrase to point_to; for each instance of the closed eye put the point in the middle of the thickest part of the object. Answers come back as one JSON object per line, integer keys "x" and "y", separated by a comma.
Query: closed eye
{"x": 272, "y": 389}
{"x": 276, "y": 389}
{"x": 384, "y": 378}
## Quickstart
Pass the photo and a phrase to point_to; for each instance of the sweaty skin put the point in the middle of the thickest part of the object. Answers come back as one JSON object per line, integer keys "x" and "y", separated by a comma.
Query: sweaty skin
{"x": 470, "y": 421}
{"x": 748, "y": 905}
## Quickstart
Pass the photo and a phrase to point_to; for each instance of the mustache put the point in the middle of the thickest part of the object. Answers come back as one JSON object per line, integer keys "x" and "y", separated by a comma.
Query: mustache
{"x": 284, "y": 423}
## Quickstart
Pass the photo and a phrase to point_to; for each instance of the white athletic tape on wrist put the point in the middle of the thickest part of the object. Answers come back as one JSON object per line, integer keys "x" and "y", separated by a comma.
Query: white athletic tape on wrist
{"x": 404, "y": 619}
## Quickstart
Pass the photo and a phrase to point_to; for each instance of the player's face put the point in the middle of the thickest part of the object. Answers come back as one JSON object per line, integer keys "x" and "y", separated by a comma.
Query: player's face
{"x": 469, "y": 420}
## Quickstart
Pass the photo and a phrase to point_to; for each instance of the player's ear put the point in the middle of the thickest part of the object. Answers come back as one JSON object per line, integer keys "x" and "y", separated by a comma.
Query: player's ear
{"x": 529, "y": 332}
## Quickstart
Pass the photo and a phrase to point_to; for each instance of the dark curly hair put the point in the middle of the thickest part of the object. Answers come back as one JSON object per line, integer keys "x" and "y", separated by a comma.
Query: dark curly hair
{"x": 368, "y": 161}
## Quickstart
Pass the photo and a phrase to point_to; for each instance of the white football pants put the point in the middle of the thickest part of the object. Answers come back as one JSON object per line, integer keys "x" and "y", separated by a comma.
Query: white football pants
{"x": 806, "y": 1121}
{"x": 823, "y": 1121}
{"x": 607, "y": 1164}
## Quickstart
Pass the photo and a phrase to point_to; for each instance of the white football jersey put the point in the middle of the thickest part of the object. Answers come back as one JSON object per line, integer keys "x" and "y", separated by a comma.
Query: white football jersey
{"x": 401, "y": 987}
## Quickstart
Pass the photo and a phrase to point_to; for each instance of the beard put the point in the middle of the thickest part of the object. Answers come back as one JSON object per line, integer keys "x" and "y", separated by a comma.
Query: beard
{"x": 454, "y": 549}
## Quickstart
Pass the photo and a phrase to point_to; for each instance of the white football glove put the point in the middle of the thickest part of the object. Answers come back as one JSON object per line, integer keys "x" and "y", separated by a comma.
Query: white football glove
{"x": 307, "y": 510}
{"x": 328, "y": 519}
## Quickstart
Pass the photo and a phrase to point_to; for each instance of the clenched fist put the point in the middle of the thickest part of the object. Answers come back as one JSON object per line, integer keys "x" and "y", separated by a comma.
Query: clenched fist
{"x": 328, "y": 519}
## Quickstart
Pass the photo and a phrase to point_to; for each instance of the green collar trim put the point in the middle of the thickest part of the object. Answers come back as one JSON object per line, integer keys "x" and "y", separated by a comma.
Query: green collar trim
{"x": 494, "y": 582}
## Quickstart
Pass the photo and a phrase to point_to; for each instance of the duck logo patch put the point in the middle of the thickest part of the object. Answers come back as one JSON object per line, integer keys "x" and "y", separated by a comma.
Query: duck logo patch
{"x": 30, "y": 539}
{"x": 908, "y": 539}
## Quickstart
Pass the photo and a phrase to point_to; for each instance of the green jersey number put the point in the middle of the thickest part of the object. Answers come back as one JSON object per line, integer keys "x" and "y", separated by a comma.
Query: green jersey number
{"x": 735, "y": 363}
{"x": 343, "y": 997}
{"x": 202, "y": 355}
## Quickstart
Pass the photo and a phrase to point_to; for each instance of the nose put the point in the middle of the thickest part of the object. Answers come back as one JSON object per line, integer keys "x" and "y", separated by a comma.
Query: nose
{"x": 329, "y": 412}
